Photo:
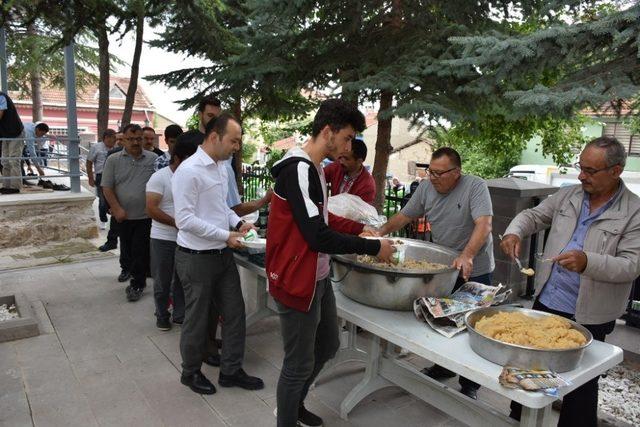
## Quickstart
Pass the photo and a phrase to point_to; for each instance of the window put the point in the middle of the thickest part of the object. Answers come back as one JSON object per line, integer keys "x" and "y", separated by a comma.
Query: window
{"x": 624, "y": 135}
{"x": 62, "y": 130}
{"x": 116, "y": 92}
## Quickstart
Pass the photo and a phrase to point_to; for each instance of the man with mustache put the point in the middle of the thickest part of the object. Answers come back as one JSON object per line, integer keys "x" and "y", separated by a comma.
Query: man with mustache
{"x": 594, "y": 242}
{"x": 124, "y": 179}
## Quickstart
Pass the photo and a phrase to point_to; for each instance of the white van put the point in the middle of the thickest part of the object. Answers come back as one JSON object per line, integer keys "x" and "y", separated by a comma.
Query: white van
{"x": 563, "y": 176}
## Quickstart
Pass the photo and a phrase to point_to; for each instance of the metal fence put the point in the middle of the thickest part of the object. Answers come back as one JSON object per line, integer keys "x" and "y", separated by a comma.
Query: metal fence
{"x": 63, "y": 159}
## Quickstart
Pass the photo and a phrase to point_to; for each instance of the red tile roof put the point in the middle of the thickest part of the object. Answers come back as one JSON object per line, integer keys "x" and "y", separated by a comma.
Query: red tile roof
{"x": 88, "y": 97}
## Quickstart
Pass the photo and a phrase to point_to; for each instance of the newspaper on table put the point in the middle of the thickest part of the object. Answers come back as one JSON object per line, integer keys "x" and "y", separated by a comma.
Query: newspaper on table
{"x": 446, "y": 315}
{"x": 547, "y": 382}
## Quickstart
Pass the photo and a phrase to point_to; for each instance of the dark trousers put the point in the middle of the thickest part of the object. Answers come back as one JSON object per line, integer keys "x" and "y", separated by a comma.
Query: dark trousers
{"x": 211, "y": 280}
{"x": 485, "y": 279}
{"x": 103, "y": 207}
{"x": 134, "y": 249}
{"x": 166, "y": 282}
{"x": 580, "y": 407}
{"x": 310, "y": 340}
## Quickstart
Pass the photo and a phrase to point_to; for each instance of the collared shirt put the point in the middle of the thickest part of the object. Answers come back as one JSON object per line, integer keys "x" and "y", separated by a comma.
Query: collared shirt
{"x": 561, "y": 290}
{"x": 347, "y": 182}
{"x": 128, "y": 178}
{"x": 98, "y": 156}
{"x": 200, "y": 188}
{"x": 162, "y": 161}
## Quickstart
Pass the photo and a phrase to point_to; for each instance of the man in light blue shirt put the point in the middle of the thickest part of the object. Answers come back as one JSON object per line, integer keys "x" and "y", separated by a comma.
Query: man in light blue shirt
{"x": 561, "y": 290}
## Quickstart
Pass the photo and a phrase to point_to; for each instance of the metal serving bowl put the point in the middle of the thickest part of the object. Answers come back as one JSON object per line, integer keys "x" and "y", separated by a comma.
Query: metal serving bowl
{"x": 396, "y": 288}
{"x": 506, "y": 354}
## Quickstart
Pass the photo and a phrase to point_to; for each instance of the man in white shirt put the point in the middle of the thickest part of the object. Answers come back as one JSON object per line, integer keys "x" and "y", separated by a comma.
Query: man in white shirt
{"x": 205, "y": 262}
{"x": 163, "y": 239}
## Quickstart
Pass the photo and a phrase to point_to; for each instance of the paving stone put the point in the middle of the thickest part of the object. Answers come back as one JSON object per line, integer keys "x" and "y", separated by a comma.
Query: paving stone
{"x": 120, "y": 403}
{"x": 14, "y": 409}
{"x": 175, "y": 405}
{"x": 65, "y": 407}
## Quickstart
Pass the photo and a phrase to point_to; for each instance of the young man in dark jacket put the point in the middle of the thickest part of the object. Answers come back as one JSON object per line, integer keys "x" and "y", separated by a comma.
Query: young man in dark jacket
{"x": 297, "y": 261}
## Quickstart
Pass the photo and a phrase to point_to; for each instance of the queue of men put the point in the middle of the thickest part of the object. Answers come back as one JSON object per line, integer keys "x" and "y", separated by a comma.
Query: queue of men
{"x": 184, "y": 209}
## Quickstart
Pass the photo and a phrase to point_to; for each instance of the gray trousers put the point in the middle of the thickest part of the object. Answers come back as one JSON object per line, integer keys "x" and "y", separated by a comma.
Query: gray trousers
{"x": 211, "y": 280}
{"x": 166, "y": 282}
{"x": 11, "y": 167}
{"x": 310, "y": 340}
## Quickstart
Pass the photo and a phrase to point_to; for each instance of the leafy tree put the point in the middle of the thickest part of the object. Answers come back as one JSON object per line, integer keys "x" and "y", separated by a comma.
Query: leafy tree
{"x": 394, "y": 53}
{"x": 557, "y": 69}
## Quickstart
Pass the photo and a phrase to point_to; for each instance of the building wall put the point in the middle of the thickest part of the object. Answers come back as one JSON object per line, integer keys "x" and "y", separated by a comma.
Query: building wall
{"x": 532, "y": 155}
{"x": 401, "y": 134}
{"x": 87, "y": 121}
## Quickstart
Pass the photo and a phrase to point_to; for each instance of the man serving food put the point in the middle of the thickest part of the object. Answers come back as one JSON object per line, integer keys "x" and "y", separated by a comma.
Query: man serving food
{"x": 459, "y": 209}
{"x": 593, "y": 248}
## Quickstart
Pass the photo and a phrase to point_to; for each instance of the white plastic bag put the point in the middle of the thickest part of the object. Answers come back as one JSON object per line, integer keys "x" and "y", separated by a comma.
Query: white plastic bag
{"x": 354, "y": 208}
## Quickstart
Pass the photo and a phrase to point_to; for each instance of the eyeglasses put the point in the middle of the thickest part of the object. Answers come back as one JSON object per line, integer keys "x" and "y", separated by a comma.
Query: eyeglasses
{"x": 436, "y": 174}
{"x": 591, "y": 171}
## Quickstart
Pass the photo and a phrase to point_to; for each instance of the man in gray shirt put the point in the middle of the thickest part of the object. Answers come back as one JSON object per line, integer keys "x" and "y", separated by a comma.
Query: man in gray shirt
{"x": 458, "y": 207}
{"x": 124, "y": 180}
{"x": 95, "y": 164}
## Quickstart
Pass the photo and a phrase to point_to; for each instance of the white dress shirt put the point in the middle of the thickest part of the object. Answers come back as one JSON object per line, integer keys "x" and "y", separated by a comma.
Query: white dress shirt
{"x": 200, "y": 188}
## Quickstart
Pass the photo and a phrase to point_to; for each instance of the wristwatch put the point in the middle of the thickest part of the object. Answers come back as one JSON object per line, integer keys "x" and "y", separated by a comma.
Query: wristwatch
{"x": 240, "y": 224}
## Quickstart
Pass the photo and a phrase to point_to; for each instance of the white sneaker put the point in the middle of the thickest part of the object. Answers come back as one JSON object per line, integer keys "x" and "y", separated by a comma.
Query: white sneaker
{"x": 103, "y": 225}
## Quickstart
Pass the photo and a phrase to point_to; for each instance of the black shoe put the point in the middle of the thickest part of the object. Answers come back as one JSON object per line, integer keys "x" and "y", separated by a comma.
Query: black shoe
{"x": 134, "y": 294}
{"x": 60, "y": 187}
{"x": 107, "y": 247}
{"x": 124, "y": 276}
{"x": 178, "y": 321}
{"x": 437, "y": 372}
{"x": 45, "y": 183}
{"x": 213, "y": 360}
{"x": 306, "y": 418}
{"x": 163, "y": 324}
{"x": 198, "y": 383}
{"x": 470, "y": 392}
{"x": 9, "y": 190}
{"x": 240, "y": 379}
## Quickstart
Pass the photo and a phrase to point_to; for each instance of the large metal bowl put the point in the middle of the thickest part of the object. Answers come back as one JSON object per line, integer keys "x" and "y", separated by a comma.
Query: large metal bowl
{"x": 506, "y": 354}
{"x": 396, "y": 288}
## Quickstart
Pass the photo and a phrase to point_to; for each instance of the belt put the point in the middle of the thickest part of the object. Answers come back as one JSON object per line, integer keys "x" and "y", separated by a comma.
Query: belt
{"x": 203, "y": 252}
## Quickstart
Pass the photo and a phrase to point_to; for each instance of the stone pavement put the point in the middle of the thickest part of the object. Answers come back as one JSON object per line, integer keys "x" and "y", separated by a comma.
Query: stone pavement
{"x": 101, "y": 361}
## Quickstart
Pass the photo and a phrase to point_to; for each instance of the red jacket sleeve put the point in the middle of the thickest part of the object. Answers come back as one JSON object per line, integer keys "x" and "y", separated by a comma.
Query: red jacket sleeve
{"x": 368, "y": 191}
{"x": 344, "y": 225}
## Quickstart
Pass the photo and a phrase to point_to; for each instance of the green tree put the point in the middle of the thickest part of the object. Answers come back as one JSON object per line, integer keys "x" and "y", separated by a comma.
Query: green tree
{"x": 557, "y": 69}
{"x": 389, "y": 52}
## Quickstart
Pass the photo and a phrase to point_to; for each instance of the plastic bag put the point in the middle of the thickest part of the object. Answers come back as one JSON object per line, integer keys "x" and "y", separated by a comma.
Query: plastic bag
{"x": 354, "y": 208}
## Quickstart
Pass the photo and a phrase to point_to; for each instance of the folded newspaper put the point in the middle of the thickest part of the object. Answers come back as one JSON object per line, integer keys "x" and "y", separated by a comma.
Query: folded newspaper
{"x": 446, "y": 315}
{"x": 547, "y": 382}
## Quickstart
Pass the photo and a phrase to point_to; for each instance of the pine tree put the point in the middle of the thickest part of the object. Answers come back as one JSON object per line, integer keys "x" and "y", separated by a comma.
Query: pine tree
{"x": 558, "y": 69}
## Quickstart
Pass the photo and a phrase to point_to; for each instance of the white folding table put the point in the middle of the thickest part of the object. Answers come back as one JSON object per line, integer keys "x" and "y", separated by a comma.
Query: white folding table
{"x": 384, "y": 368}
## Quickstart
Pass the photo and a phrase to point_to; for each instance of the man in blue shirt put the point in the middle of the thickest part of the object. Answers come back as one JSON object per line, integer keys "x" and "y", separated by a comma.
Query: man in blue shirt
{"x": 594, "y": 230}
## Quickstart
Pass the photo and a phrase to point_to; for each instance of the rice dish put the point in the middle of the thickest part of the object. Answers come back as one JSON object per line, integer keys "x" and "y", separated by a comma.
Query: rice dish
{"x": 407, "y": 264}
{"x": 549, "y": 332}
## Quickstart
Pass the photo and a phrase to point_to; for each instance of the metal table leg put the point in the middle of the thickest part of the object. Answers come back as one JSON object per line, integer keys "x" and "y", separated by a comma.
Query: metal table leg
{"x": 262, "y": 299}
{"x": 535, "y": 417}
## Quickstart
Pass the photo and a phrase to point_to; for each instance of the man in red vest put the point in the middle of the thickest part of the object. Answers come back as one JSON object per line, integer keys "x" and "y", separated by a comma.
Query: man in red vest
{"x": 348, "y": 174}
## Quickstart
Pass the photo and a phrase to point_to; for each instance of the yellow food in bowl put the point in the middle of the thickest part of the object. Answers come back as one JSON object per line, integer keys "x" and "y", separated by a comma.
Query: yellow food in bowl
{"x": 549, "y": 332}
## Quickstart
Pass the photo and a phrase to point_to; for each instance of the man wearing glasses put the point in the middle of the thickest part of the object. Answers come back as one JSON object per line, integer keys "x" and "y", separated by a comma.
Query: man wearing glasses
{"x": 460, "y": 212}
{"x": 124, "y": 181}
{"x": 594, "y": 246}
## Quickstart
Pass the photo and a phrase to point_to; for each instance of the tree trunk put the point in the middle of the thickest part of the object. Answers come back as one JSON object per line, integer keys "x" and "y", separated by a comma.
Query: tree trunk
{"x": 135, "y": 68}
{"x": 383, "y": 149}
{"x": 236, "y": 108}
{"x": 104, "y": 80}
{"x": 36, "y": 85}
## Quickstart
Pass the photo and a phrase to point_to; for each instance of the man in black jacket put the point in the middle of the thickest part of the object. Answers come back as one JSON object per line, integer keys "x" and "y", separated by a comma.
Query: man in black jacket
{"x": 299, "y": 242}
{"x": 10, "y": 127}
